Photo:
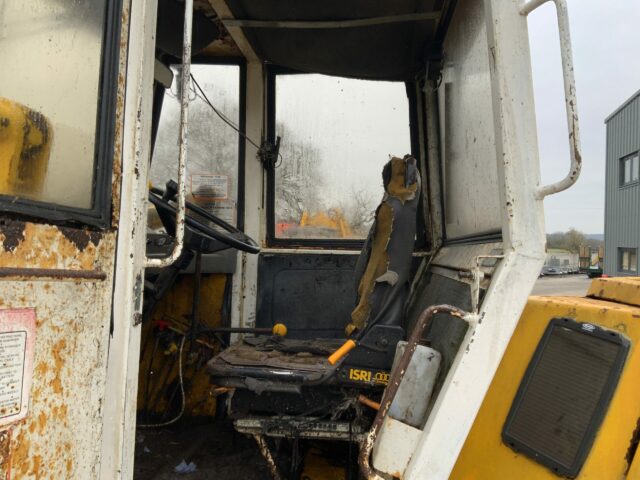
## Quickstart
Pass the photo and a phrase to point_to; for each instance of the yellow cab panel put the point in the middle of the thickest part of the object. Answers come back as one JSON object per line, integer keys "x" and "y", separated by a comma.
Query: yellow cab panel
{"x": 612, "y": 304}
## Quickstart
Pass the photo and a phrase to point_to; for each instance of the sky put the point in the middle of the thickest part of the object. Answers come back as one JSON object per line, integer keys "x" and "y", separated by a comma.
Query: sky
{"x": 605, "y": 36}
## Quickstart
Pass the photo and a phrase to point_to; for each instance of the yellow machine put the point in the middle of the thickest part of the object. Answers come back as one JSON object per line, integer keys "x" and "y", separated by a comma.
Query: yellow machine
{"x": 333, "y": 220}
{"x": 25, "y": 144}
{"x": 264, "y": 320}
{"x": 611, "y": 304}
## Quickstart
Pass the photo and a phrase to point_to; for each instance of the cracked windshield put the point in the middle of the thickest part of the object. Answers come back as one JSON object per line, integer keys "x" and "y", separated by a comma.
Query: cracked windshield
{"x": 337, "y": 134}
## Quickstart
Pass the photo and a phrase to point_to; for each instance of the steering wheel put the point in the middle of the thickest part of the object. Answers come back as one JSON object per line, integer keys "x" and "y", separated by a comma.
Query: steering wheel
{"x": 201, "y": 233}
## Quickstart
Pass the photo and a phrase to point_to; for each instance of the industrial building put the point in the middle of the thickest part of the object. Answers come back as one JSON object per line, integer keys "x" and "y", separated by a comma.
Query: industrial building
{"x": 559, "y": 260}
{"x": 622, "y": 199}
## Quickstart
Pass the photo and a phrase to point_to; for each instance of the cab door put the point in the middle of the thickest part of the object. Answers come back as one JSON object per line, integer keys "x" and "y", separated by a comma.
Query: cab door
{"x": 65, "y": 157}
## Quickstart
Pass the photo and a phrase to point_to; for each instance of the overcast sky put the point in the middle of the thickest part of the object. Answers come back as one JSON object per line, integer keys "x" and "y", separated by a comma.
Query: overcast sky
{"x": 606, "y": 53}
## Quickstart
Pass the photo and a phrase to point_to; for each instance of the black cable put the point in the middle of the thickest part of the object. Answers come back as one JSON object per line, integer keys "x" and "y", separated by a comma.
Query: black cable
{"x": 204, "y": 97}
{"x": 221, "y": 115}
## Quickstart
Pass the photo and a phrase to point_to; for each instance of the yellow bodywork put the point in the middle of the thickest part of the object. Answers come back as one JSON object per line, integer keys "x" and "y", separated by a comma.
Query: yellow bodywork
{"x": 158, "y": 363}
{"x": 25, "y": 144}
{"x": 332, "y": 220}
{"x": 484, "y": 455}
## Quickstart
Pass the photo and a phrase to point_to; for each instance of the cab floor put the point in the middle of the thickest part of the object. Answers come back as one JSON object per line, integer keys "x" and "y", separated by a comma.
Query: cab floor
{"x": 216, "y": 450}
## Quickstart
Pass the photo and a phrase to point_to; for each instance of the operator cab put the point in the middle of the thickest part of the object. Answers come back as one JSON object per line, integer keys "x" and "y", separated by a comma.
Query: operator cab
{"x": 308, "y": 227}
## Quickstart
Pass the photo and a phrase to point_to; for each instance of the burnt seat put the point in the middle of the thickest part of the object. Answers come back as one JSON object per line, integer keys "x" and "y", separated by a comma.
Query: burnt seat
{"x": 278, "y": 364}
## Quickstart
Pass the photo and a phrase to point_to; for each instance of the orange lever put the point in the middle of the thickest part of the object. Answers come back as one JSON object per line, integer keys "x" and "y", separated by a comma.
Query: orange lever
{"x": 342, "y": 351}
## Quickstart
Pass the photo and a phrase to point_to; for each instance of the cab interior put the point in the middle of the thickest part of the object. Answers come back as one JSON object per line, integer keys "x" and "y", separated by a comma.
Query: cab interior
{"x": 312, "y": 219}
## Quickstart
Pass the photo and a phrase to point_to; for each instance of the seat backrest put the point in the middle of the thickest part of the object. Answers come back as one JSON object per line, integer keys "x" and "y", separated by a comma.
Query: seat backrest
{"x": 384, "y": 265}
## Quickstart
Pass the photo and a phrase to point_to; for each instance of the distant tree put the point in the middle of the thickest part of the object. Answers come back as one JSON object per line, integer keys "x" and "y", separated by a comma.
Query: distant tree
{"x": 570, "y": 240}
{"x": 359, "y": 211}
{"x": 299, "y": 178}
{"x": 574, "y": 240}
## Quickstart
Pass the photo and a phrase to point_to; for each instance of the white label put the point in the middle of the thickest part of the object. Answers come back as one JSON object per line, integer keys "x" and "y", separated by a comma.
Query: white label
{"x": 13, "y": 346}
{"x": 223, "y": 210}
{"x": 17, "y": 347}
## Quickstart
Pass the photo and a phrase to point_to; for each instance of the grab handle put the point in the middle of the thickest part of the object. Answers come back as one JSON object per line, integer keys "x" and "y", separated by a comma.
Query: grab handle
{"x": 182, "y": 154}
{"x": 569, "y": 96}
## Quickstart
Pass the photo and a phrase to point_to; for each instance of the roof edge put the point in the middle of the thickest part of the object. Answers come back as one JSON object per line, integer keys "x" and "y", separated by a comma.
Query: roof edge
{"x": 622, "y": 106}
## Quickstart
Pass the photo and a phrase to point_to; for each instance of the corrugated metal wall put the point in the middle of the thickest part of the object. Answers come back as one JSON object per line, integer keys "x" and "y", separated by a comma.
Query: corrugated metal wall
{"x": 622, "y": 204}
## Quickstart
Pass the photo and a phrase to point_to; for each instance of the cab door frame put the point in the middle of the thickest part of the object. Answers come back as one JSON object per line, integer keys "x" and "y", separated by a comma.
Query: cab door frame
{"x": 136, "y": 74}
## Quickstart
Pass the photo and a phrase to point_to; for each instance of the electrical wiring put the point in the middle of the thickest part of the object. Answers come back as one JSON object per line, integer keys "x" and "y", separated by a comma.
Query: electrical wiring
{"x": 183, "y": 396}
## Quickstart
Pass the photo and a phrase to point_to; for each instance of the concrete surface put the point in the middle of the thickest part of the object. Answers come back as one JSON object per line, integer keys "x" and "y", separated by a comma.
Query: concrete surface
{"x": 562, "y": 285}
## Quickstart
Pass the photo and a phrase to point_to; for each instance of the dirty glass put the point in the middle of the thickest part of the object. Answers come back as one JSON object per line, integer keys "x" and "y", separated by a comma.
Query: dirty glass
{"x": 337, "y": 134}
{"x": 630, "y": 169}
{"x": 628, "y": 260}
{"x": 50, "y": 53}
{"x": 212, "y": 147}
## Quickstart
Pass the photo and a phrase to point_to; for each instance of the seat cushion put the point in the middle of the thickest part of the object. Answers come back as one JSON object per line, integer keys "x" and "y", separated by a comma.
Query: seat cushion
{"x": 259, "y": 362}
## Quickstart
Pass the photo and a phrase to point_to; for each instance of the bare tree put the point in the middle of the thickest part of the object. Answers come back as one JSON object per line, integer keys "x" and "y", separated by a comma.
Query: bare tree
{"x": 570, "y": 240}
{"x": 299, "y": 179}
{"x": 359, "y": 211}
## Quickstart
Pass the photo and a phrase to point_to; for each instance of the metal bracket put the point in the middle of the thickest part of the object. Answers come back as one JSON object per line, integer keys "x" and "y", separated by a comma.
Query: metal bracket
{"x": 476, "y": 275}
{"x": 569, "y": 96}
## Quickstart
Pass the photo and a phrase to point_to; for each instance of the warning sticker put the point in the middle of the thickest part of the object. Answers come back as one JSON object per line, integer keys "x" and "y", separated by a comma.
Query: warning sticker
{"x": 13, "y": 346}
{"x": 17, "y": 342}
{"x": 225, "y": 210}
{"x": 211, "y": 186}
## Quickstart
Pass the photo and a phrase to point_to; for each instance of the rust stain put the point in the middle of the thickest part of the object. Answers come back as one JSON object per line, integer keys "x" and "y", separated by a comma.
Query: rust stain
{"x": 21, "y": 449}
{"x": 36, "y": 464}
{"x": 59, "y": 412}
{"x": 50, "y": 247}
{"x": 81, "y": 237}
{"x": 119, "y": 130}
{"x": 5, "y": 453}
{"x": 41, "y": 422}
{"x": 12, "y": 232}
{"x": 59, "y": 346}
{"x": 56, "y": 385}
{"x": 41, "y": 369}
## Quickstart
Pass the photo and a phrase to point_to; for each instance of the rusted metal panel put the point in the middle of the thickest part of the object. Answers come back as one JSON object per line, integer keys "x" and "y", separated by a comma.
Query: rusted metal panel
{"x": 37, "y": 246}
{"x": 60, "y": 436}
{"x": 66, "y": 274}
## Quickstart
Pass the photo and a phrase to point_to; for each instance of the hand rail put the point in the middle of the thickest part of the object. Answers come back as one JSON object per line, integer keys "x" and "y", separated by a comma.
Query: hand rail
{"x": 182, "y": 156}
{"x": 569, "y": 96}
{"x": 397, "y": 374}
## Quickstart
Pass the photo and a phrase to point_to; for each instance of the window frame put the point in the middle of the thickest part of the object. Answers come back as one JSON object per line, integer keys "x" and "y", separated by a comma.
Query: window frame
{"x": 632, "y": 251}
{"x": 99, "y": 215}
{"x": 242, "y": 122}
{"x": 273, "y": 71}
{"x": 622, "y": 164}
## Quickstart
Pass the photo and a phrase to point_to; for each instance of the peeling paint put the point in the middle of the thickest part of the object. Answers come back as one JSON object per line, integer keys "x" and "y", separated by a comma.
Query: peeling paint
{"x": 12, "y": 232}
{"x": 51, "y": 247}
{"x": 81, "y": 238}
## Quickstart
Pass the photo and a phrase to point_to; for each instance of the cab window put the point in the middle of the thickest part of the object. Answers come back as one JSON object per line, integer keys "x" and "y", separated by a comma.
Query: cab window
{"x": 56, "y": 106}
{"x": 213, "y": 147}
{"x": 336, "y": 135}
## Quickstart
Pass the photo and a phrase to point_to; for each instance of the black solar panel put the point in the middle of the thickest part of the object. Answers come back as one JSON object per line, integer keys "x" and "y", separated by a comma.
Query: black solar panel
{"x": 564, "y": 394}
